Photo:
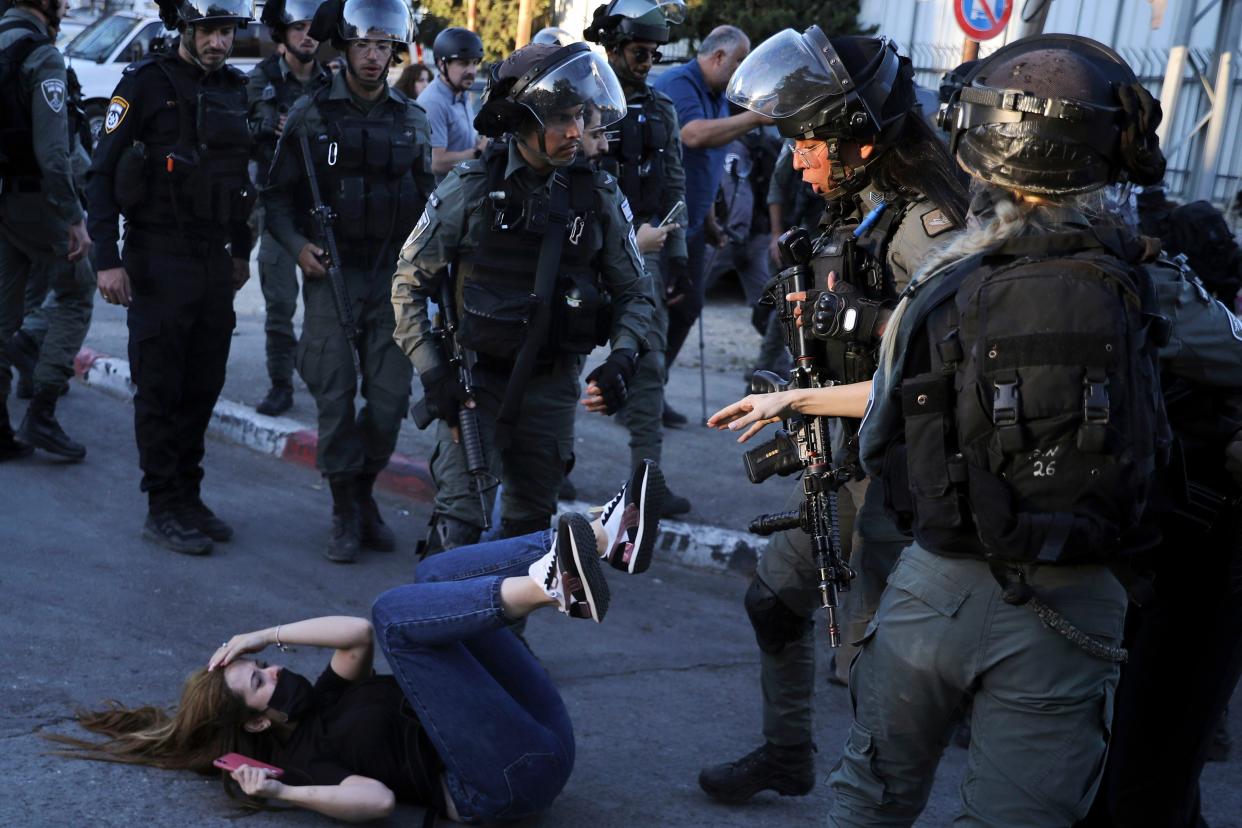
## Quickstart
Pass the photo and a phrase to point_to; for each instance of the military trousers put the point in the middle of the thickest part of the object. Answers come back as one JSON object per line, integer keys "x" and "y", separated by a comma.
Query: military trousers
{"x": 532, "y": 465}
{"x": 181, "y": 324}
{"x": 643, "y": 412}
{"x": 63, "y": 320}
{"x": 1040, "y": 705}
{"x": 279, "y": 281}
{"x": 871, "y": 545}
{"x": 352, "y": 440}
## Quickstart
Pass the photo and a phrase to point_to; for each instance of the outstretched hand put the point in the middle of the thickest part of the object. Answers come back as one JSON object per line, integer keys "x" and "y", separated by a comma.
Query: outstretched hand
{"x": 753, "y": 413}
{"x": 236, "y": 647}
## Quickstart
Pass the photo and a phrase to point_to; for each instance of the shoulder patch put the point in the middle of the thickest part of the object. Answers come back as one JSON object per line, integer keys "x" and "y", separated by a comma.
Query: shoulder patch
{"x": 936, "y": 222}
{"x": 117, "y": 109}
{"x": 53, "y": 90}
{"x": 625, "y": 208}
{"x": 269, "y": 92}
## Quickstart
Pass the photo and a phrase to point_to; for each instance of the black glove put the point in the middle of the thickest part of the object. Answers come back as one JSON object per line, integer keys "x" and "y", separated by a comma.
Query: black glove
{"x": 843, "y": 314}
{"x": 613, "y": 378}
{"x": 677, "y": 282}
{"x": 443, "y": 393}
{"x": 1233, "y": 457}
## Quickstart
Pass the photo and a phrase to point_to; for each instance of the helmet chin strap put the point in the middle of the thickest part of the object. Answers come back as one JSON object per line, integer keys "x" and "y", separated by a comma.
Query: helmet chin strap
{"x": 365, "y": 84}
{"x": 542, "y": 152}
{"x": 191, "y": 48}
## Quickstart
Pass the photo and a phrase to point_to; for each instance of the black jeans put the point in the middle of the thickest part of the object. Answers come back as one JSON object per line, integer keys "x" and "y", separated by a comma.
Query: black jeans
{"x": 180, "y": 328}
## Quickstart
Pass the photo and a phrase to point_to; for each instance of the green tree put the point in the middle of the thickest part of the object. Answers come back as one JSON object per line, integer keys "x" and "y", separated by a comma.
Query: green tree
{"x": 497, "y": 22}
{"x": 762, "y": 18}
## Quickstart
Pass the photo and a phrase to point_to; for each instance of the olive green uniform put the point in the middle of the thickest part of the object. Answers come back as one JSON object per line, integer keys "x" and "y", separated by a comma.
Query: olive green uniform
{"x": 870, "y": 541}
{"x": 35, "y": 215}
{"x": 267, "y": 101}
{"x": 532, "y": 466}
{"x": 644, "y": 409}
{"x": 350, "y": 442}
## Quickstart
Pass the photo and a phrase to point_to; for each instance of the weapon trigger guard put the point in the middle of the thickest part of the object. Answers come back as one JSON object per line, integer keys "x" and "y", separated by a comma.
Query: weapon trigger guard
{"x": 333, "y": 151}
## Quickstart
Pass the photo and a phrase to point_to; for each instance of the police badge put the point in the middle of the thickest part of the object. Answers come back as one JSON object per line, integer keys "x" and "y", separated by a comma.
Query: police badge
{"x": 54, "y": 94}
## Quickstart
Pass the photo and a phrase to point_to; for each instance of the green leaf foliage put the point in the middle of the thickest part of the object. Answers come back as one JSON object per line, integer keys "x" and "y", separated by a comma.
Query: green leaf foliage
{"x": 497, "y": 22}
{"x": 762, "y": 18}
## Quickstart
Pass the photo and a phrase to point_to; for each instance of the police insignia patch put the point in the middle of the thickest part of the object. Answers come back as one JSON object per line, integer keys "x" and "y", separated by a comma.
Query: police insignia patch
{"x": 936, "y": 222}
{"x": 117, "y": 108}
{"x": 54, "y": 94}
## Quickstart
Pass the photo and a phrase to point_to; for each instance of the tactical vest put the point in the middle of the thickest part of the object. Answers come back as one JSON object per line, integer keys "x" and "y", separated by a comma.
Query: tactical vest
{"x": 496, "y": 281}
{"x": 861, "y": 261}
{"x": 368, "y": 171}
{"x": 283, "y": 93}
{"x": 1033, "y": 423}
{"x": 636, "y": 157}
{"x": 17, "y": 155}
{"x": 201, "y": 182}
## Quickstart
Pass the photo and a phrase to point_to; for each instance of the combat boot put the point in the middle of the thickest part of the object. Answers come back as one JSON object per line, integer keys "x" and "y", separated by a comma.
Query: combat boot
{"x": 10, "y": 447}
{"x": 23, "y": 354}
{"x": 168, "y": 529}
{"x": 790, "y": 771}
{"x": 40, "y": 429}
{"x": 279, "y": 399}
{"x": 344, "y": 544}
{"x": 373, "y": 533}
{"x": 195, "y": 513}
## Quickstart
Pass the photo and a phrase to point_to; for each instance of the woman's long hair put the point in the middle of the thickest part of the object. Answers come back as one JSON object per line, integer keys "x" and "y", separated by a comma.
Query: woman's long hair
{"x": 919, "y": 160}
{"x": 1009, "y": 216}
{"x": 207, "y": 724}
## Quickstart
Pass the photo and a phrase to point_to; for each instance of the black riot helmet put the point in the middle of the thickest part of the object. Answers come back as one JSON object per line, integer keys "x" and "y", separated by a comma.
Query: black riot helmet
{"x": 847, "y": 88}
{"x": 340, "y": 21}
{"x": 620, "y": 21}
{"x": 178, "y": 13}
{"x": 1055, "y": 114}
{"x": 457, "y": 43}
{"x": 278, "y": 14}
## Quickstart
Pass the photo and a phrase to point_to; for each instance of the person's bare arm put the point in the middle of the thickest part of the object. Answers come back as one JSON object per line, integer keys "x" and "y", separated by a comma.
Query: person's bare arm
{"x": 351, "y": 637}
{"x": 706, "y": 133}
{"x": 355, "y": 799}
{"x": 442, "y": 160}
{"x": 760, "y": 410}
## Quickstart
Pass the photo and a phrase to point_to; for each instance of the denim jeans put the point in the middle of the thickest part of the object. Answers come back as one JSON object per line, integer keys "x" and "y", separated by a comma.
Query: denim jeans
{"x": 487, "y": 705}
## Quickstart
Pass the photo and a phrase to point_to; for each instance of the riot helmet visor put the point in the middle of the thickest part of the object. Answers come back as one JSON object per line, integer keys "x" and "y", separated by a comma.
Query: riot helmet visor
{"x": 584, "y": 78}
{"x": 377, "y": 20}
{"x": 298, "y": 10}
{"x": 787, "y": 75}
{"x": 194, "y": 11}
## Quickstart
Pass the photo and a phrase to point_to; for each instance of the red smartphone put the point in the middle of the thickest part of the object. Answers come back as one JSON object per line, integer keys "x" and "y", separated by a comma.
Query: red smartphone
{"x": 232, "y": 761}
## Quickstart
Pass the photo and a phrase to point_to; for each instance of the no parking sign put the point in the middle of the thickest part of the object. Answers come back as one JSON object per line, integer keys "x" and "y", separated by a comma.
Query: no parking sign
{"x": 982, "y": 19}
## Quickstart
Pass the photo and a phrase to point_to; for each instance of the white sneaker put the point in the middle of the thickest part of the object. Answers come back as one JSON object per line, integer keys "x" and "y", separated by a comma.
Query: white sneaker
{"x": 632, "y": 520}
{"x": 570, "y": 573}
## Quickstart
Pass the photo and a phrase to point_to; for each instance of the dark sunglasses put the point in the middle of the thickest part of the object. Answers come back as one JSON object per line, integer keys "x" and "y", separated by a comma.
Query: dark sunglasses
{"x": 641, "y": 53}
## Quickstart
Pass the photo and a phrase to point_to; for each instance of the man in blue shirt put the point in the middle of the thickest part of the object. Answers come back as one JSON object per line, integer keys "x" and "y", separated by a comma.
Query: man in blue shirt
{"x": 697, "y": 89}
{"x": 458, "y": 53}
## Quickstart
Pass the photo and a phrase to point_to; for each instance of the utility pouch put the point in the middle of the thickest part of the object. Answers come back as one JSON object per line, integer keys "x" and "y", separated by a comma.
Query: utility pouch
{"x": 129, "y": 185}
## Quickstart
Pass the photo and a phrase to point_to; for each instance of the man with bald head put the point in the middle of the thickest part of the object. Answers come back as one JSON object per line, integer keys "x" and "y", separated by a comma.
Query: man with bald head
{"x": 697, "y": 89}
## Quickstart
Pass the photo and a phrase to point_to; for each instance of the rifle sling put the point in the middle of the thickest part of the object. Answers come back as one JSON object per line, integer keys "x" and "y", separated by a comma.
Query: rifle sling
{"x": 536, "y": 332}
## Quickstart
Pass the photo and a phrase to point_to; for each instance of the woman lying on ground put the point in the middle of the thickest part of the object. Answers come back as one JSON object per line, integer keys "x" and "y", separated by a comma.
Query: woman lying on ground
{"x": 469, "y": 725}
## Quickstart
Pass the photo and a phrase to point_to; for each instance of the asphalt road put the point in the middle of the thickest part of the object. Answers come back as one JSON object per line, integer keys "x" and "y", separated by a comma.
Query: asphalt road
{"x": 89, "y": 611}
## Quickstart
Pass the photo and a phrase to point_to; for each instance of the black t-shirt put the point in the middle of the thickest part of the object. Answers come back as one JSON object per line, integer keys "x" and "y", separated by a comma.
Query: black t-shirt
{"x": 362, "y": 728}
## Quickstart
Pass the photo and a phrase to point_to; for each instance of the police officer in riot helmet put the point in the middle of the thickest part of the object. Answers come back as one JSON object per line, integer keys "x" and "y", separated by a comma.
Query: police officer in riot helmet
{"x": 1018, "y": 422}
{"x": 644, "y": 154}
{"x": 172, "y": 158}
{"x": 369, "y": 148}
{"x": 272, "y": 87}
{"x": 892, "y": 194}
{"x": 544, "y": 227}
{"x": 43, "y": 234}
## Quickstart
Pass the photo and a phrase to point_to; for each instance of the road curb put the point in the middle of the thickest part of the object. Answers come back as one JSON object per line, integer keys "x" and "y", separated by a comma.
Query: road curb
{"x": 689, "y": 544}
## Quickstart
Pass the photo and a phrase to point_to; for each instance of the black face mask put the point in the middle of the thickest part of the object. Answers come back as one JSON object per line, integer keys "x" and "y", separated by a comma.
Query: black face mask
{"x": 293, "y": 697}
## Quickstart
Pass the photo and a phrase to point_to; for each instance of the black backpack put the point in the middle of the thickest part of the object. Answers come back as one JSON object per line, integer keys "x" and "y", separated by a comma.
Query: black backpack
{"x": 1199, "y": 231}
{"x": 1033, "y": 415}
{"x": 17, "y": 156}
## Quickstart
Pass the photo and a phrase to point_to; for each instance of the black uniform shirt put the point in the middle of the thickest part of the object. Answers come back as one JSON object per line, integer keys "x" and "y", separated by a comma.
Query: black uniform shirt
{"x": 144, "y": 108}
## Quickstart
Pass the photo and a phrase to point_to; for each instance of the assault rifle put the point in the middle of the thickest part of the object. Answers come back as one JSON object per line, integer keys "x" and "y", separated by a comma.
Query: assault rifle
{"x": 807, "y": 436}
{"x": 325, "y": 218}
{"x": 481, "y": 480}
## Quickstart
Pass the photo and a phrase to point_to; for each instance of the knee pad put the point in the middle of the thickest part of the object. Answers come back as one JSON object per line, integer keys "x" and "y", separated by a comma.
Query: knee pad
{"x": 517, "y": 528}
{"x": 447, "y": 533}
{"x": 775, "y": 624}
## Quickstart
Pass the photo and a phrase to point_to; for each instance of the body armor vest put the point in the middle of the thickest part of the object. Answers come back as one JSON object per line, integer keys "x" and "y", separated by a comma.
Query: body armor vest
{"x": 17, "y": 155}
{"x": 496, "y": 283}
{"x": 636, "y": 157}
{"x": 369, "y": 171}
{"x": 861, "y": 261}
{"x": 202, "y": 181}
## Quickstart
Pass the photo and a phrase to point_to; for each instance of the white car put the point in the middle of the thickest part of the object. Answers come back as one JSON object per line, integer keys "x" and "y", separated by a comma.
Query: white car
{"x": 101, "y": 51}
